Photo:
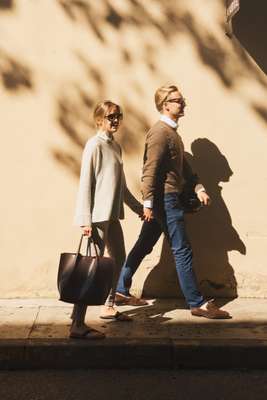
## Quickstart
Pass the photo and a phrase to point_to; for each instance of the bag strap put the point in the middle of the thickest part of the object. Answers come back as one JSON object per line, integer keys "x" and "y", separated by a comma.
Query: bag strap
{"x": 90, "y": 242}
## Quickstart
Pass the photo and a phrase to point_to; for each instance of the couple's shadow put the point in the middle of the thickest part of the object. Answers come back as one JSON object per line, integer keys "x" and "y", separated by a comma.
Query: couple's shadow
{"x": 211, "y": 234}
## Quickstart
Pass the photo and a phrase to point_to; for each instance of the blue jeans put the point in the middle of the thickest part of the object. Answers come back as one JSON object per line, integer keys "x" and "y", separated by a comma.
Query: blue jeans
{"x": 171, "y": 221}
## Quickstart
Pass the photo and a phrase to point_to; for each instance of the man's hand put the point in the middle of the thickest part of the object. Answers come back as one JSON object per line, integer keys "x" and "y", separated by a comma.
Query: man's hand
{"x": 148, "y": 214}
{"x": 204, "y": 198}
{"x": 87, "y": 230}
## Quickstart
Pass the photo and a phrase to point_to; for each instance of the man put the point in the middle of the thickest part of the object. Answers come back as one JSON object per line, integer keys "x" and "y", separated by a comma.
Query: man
{"x": 164, "y": 173}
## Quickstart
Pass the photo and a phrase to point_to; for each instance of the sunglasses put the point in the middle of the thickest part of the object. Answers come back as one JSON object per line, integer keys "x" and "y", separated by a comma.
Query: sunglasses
{"x": 114, "y": 116}
{"x": 181, "y": 100}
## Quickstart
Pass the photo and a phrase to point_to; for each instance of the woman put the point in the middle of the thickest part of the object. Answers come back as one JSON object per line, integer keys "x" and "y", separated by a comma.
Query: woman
{"x": 101, "y": 194}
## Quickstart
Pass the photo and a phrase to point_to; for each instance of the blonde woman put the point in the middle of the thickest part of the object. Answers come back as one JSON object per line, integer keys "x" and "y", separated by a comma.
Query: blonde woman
{"x": 102, "y": 191}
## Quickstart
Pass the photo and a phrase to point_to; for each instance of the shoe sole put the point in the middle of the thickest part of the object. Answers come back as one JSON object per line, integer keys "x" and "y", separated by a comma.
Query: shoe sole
{"x": 212, "y": 317}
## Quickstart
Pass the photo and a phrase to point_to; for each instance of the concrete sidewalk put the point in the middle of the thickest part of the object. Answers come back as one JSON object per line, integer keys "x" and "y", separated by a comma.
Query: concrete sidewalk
{"x": 34, "y": 334}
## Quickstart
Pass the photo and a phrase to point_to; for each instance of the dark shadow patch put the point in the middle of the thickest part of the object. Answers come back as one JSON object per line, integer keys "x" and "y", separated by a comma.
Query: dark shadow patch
{"x": 261, "y": 111}
{"x": 15, "y": 76}
{"x": 126, "y": 56}
{"x": 67, "y": 160}
{"x": 212, "y": 228}
{"x": 210, "y": 51}
{"x": 69, "y": 117}
{"x": 6, "y": 4}
{"x": 250, "y": 28}
{"x": 113, "y": 17}
{"x": 79, "y": 10}
{"x": 92, "y": 72}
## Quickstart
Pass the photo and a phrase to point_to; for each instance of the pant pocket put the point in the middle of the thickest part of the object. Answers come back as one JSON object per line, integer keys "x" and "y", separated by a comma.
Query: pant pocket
{"x": 172, "y": 201}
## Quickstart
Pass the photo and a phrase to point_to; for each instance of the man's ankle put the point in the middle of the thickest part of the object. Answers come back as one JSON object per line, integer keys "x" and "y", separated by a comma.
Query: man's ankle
{"x": 123, "y": 294}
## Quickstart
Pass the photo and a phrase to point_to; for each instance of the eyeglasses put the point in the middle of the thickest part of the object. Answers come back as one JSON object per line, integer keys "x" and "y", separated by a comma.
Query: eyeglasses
{"x": 114, "y": 116}
{"x": 180, "y": 100}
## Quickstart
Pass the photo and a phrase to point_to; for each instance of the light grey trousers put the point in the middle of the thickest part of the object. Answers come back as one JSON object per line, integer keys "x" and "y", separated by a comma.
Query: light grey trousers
{"x": 105, "y": 234}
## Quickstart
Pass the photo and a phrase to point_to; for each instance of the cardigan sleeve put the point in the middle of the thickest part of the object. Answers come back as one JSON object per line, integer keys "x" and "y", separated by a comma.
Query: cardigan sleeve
{"x": 84, "y": 203}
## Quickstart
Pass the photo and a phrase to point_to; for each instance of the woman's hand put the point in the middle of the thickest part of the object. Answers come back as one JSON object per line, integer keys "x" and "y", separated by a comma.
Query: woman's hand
{"x": 87, "y": 230}
{"x": 148, "y": 214}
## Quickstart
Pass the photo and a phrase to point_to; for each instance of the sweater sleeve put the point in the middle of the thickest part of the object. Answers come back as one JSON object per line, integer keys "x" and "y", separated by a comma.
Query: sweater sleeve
{"x": 191, "y": 179}
{"x": 154, "y": 151}
{"x": 83, "y": 212}
{"x": 130, "y": 200}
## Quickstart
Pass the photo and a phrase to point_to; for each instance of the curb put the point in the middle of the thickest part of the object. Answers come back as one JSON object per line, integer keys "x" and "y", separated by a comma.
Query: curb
{"x": 132, "y": 353}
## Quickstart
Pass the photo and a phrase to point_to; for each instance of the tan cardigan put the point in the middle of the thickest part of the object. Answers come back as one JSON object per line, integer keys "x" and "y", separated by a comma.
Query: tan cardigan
{"x": 102, "y": 188}
{"x": 164, "y": 168}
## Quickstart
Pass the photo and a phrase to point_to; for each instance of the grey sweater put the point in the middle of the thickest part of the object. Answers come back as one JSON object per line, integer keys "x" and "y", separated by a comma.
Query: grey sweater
{"x": 102, "y": 188}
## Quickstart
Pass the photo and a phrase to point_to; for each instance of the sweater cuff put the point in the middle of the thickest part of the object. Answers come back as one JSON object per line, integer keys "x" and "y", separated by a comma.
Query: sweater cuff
{"x": 148, "y": 204}
{"x": 199, "y": 188}
{"x": 83, "y": 220}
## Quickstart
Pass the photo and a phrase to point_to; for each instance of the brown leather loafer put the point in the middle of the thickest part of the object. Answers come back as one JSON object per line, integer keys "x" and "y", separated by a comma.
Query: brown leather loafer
{"x": 211, "y": 311}
{"x": 121, "y": 300}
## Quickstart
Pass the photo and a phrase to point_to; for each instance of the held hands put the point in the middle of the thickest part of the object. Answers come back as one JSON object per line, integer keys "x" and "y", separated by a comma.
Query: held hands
{"x": 148, "y": 214}
{"x": 87, "y": 230}
{"x": 204, "y": 198}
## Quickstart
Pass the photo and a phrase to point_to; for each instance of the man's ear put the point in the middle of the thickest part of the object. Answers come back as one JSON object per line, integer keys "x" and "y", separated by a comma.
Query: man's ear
{"x": 164, "y": 107}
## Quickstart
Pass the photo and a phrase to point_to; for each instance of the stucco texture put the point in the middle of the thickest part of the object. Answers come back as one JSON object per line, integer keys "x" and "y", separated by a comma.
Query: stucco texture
{"x": 57, "y": 59}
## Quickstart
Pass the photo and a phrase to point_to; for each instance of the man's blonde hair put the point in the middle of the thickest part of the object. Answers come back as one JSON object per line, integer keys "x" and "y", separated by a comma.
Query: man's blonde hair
{"x": 162, "y": 93}
{"x": 102, "y": 109}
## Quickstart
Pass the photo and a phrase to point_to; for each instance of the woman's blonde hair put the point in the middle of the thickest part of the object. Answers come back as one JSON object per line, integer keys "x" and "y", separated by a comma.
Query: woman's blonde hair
{"x": 162, "y": 93}
{"x": 102, "y": 109}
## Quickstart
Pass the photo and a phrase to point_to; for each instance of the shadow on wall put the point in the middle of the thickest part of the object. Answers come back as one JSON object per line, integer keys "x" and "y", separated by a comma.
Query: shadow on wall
{"x": 15, "y": 76}
{"x": 210, "y": 228}
{"x": 250, "y": 28}
{"x": 74, "y": 115}
{"x": 6, "y": 4}
{"x": 74, "y": 111}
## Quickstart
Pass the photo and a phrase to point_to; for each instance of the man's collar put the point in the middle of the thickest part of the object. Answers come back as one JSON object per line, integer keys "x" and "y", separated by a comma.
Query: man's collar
{"x": 103, "y": 135}
{"x": 168, "y": 121}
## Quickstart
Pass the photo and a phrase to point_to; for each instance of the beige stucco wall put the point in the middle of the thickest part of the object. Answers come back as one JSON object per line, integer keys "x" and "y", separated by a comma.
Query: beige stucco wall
{"x": 59, "y": 57}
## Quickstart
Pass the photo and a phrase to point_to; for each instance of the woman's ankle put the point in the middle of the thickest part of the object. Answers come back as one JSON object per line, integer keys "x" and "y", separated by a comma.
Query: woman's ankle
{"x": 77, "y": 324}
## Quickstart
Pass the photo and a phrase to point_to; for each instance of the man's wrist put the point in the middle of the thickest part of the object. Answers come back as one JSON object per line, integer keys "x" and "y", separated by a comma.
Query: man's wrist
{"x": 201, "y": 190}
{"x": 148, "y": 204}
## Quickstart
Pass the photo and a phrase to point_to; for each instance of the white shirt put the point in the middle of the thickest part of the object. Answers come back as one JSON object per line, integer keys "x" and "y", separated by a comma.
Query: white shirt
{"x": 168, "y": 121}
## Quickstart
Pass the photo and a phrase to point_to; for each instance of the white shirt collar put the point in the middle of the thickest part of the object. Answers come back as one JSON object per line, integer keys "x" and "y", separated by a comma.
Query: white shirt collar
{"x": 103, "y": 135}
{"x": 168, "y": 121}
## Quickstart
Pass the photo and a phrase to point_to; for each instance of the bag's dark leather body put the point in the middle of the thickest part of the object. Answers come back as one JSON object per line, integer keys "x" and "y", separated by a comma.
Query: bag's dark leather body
{"x": 188, "y": 198}
{"x": 84, "y": 279}
{"x": 190, "y": 201}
